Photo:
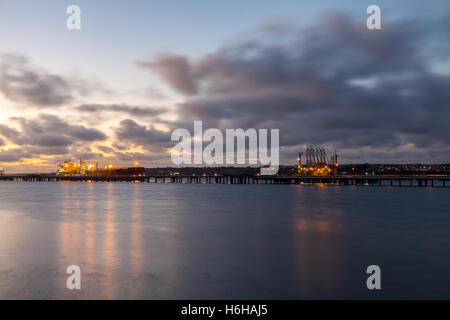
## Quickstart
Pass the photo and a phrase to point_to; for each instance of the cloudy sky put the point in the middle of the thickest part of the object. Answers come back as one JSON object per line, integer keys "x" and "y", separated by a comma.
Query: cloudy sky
{"x": 114, "y": 90}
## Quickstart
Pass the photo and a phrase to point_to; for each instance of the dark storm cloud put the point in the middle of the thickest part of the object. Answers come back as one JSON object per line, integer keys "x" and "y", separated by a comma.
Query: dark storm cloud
{"x": 130, "y": 110}
{"x": 370, "y": 94}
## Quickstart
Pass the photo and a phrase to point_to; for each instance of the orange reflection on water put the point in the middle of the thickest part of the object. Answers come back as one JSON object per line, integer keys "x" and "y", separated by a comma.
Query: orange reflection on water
{"x": 136, "y": 249}
{"x": 304, "y": 224}
{"x": 92, "y": 236}
{"x": 90, "y": 257}
{"x": 109, "y": 264}
{"x": 317, "y": 253}
{"x": 70, "y": 236}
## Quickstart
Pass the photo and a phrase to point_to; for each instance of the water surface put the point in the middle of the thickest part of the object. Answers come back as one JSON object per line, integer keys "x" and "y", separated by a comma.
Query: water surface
{"x": 163, "y": 241}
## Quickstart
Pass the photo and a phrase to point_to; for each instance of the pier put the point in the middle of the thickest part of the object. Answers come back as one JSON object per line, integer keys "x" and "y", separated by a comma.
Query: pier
{"x": 387, "y": 181}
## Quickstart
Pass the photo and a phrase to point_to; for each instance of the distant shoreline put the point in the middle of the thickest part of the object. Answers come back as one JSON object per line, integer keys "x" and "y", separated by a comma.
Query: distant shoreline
{"x": 344, "y": 169}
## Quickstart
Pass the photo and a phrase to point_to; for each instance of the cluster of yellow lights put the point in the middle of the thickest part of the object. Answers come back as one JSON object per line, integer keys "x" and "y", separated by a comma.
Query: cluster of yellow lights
{"x": 315, "y": 171}
{"x": 69, "y": 167}
{"x": 72, "y": 166}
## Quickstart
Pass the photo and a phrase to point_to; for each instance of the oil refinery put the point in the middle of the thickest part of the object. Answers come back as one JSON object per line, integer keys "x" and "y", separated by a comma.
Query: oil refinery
{"x": 317, "y": 163}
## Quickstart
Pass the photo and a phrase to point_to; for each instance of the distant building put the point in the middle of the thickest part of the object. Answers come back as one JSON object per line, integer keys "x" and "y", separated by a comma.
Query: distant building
{"x": 2, "y": 171}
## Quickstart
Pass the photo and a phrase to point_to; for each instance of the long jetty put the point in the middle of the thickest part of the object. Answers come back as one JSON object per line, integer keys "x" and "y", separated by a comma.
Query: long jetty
{"x": 392, "y": 181}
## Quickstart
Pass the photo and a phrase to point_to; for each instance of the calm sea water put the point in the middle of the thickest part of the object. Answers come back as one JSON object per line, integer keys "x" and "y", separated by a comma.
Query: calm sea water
{"x": 165, "y": 241}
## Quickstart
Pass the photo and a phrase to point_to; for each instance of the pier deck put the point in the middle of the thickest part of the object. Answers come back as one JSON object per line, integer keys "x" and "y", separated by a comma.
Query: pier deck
{"x": 393, "y": 181}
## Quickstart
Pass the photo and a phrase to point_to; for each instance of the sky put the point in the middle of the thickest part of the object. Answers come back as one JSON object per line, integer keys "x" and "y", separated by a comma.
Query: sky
{"x": 115, "y": 90}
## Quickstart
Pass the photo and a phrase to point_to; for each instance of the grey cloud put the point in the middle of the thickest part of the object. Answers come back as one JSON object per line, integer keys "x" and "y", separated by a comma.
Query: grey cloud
{"x": 314, "y": 89}
{"x": 130, "y": 110}
{"x": 27, "y": 152}
{"x": 175, "y": 69}
{"x": 105, "y": 149}
{"x": 48, "y": 150}
{"x": 13, "y": 155}
{"x": 154, "y": 93}
{"x": 148, "y": 157}
{"x": 133, "y": 133}
{"x": 21, "y": 83}
{"x": 90, "y": 156}
{"x": 48, "y": 131}
{"x": 82, "y": 133}
{"x": 24, "y": 83}
{"x": 8, "y": 132}
{"x": 49, "y": 140}
{"x": 119, "y": 146}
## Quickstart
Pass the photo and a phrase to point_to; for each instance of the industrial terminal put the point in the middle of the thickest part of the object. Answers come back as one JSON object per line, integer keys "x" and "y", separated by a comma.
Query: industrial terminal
{"x": 315, "y": 168}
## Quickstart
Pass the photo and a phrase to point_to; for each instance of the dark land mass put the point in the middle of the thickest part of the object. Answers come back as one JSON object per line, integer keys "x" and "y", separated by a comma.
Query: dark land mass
{"x": 345, "y": 169}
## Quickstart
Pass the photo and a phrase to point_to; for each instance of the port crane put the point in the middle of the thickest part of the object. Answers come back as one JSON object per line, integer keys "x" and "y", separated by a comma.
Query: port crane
{"x": 317, "y": 162}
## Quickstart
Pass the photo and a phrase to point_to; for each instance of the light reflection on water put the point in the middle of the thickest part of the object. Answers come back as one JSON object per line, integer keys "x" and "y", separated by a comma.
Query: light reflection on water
{"x": 317, "y": 254}
{"x": 217, "y": 241}
{"x": 136, "y": 252}
{"x": 109, "y": 246}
